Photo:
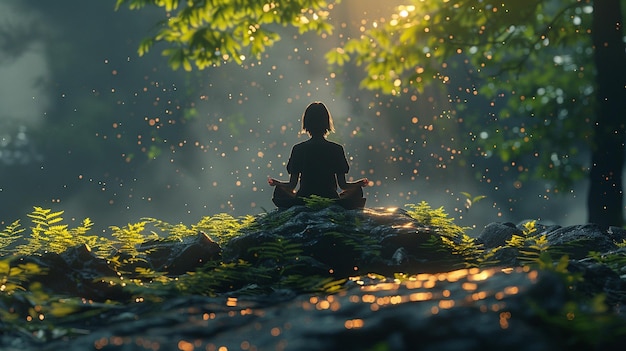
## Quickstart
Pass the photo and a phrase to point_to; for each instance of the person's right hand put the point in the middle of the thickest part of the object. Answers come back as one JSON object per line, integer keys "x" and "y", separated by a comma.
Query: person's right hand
{"x": 271, "y": 181}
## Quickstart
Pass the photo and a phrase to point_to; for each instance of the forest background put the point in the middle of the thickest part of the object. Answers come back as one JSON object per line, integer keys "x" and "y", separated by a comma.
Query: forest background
{"x": 89, "y": 127}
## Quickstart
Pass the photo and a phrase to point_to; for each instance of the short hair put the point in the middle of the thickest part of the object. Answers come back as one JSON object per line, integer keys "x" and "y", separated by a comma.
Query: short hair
{"x": 317, "y": 120}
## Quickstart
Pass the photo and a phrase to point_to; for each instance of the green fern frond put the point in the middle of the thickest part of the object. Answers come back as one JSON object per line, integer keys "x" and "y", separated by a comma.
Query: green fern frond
{"x": 49, "y": 234}
{"x": 221, "y": 227}
{"x": 10, "y": 235}
{"x": 215, "y": 277}
{"x": 280, "y": 250}
{"x": 516, "y": 241}
{"x": 83, "y": 228}
{"x": 530, "y": 227}
{"x": 175, "y": 232}
{"x": 437, "y": 218}
{"x": 12, "y": 277}
{"x": 616, "y": 260}
{"x": 316, "y": 202}
{"x": 129, "y": 238}
{"x": 45, "y": 217}
{"x": 467, "y": 248}
{"x": 269, "y": 221}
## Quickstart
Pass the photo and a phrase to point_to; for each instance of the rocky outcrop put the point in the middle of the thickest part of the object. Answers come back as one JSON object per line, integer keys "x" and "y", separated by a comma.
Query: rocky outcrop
{"x": 391, "y": 284}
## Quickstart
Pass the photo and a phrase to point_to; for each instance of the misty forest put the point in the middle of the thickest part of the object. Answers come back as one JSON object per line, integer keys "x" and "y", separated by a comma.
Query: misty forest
{"x": 94, "y": 129}
{"x": 126, "y": 121}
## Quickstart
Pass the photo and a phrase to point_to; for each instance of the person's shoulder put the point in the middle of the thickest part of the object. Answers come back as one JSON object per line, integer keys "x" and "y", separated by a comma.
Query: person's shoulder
{"x": 334, "y": 144}
{"x": 300, "y": 144}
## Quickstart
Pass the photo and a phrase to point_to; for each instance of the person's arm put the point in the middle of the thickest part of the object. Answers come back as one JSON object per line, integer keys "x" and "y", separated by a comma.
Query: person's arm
{"x": 291, "y": 184}
{"x": 345, "y": 185}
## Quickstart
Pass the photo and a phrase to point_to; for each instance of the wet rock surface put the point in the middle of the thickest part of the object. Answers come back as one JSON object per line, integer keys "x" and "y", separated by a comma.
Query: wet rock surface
{"x": 394, "y": 291}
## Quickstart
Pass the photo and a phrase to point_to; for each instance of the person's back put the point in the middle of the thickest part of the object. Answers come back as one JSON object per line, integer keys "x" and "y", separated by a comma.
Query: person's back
{"x": 318, "y": 161}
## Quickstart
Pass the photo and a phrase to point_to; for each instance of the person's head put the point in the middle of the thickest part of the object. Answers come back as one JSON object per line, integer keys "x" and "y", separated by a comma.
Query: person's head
{"x": 316, "y": 120}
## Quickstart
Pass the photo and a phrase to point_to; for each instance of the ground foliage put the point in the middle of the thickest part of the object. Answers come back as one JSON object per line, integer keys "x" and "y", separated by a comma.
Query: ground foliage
{"x": 33, "y": 311}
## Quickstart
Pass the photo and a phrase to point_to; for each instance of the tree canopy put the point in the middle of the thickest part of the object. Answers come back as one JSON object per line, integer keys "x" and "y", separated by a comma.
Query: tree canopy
{"x": 552, "y": 72}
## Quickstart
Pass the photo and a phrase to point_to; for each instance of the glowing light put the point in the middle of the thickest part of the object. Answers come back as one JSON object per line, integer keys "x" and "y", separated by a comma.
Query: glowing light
{"x": 421, "y": 296}
{"x": 354, "y": 324}
{"x": 185, "y": 345}
{"x": 446, "y": 304}
{"x": 483, "y": 275}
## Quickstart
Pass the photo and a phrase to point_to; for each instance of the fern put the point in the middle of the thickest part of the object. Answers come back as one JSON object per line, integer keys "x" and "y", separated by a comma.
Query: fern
{"x": 467, "y": 248}
{"x": 616, "y": 261}
{"x": 316, "y": 202}
{"x": 222, "y": 227}
{"x": 49, "y": 235}
{"x": 175, "y": 232}
{"x": 13, "y": 277}
{"x": 285, "y": 257}
{"x": 356, "y": 241}
{"x": 279, "y": 251}
{"x": 270, "y": 220}
{"x": 532, "y": 248}
{"x": 215, "y": 277}
{"x": 129, "y": 238}
{"x": 437, "y": 218}
{"x": 9, "y": 235}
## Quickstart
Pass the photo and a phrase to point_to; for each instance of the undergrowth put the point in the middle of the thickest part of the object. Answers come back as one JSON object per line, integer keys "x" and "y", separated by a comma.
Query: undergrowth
{"x": 278, "y": 264}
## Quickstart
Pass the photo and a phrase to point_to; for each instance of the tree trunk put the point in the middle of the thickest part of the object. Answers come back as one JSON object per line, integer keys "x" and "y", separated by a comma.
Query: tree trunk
{"x": 604, "y": 201}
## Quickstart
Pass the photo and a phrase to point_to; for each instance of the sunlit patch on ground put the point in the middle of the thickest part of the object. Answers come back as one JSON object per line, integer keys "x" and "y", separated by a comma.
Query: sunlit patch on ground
{"x": 367, "y": 304}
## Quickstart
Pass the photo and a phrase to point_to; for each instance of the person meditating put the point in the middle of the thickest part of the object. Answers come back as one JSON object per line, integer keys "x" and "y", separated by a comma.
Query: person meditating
{"x": 319, "y": 165}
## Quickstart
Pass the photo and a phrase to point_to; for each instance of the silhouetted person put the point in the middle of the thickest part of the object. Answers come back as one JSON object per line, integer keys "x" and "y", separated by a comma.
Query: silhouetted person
{"x": 319, "y": 165}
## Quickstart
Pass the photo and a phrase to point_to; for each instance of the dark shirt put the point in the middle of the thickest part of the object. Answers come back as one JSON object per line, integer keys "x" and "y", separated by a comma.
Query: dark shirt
{"x": 318, "y": 161}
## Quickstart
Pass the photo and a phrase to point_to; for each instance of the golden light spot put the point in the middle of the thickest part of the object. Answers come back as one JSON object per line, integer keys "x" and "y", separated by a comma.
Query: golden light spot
{"x": 456, "y": 275}
{"x": 483, "y": 275}
{"x": 446, "y": 304}
{"x": 367, "y": 298}
{"x": 421, "y": 296}
{"x": 185, "y": 345}
{"x": 511, "y": 290}
{"x": 479, "y": 296}
{"x": 413, "y": 284}
{"x": 323, "y": 305}
{"x": 469, "y": 286}
{"x": 275, "y": 331}
{"x": 381, "y": 286}
{"x": 504, "y": 319}
{"x": 353, "y": 324}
